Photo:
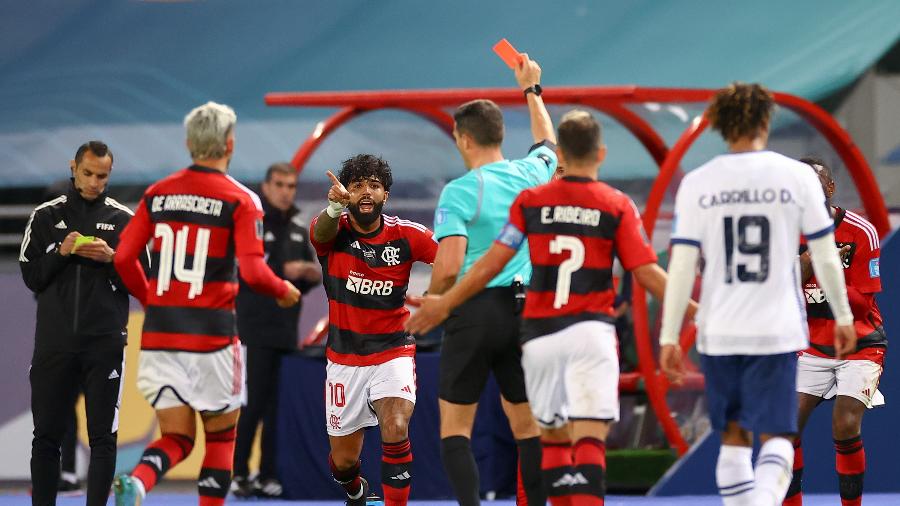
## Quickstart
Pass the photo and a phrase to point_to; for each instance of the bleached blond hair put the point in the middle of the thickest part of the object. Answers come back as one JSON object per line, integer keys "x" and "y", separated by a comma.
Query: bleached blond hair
{"x": 207, "y": 128}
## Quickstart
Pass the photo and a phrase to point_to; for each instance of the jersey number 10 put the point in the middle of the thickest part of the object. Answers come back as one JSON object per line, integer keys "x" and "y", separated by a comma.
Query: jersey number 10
{"x": 172, "y": 253}
{"x": 758, "y": 246}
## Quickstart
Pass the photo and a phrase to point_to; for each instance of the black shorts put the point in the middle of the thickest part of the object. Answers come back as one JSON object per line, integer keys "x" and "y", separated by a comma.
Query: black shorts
{"x": 482, "y": 336}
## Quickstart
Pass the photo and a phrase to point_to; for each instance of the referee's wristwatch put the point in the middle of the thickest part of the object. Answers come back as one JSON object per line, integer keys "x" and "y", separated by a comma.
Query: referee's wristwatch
{"x": 536, "y": 89}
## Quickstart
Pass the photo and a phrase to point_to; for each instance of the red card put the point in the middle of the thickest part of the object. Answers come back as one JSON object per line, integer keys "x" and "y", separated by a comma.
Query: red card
{"x": 507, "y": 53}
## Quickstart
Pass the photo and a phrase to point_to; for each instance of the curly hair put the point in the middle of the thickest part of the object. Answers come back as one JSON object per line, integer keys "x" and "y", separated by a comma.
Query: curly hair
{"x": 740, "y": 110}
{"x": 365, "y": 166}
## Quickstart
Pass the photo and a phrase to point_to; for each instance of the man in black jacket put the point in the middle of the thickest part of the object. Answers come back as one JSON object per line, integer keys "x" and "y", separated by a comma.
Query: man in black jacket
{"x": 269, "y": 332}
{"x": 82, "y": 312}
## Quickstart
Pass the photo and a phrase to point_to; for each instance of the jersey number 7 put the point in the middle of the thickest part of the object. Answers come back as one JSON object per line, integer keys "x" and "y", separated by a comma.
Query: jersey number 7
{"x": 172, "y": 253}
{"x": 567, "y": 267}
{"x": 747, "y": 245}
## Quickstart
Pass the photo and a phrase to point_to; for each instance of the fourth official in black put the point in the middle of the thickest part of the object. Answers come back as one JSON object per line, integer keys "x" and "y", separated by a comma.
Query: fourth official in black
{"x": 269, "y": 332}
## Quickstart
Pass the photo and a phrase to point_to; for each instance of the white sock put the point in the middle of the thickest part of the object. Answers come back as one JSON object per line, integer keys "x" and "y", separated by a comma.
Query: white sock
{"x": 139, "y": 485}
{"x": 774, "y": 470}
{"x": 734, "y": 475}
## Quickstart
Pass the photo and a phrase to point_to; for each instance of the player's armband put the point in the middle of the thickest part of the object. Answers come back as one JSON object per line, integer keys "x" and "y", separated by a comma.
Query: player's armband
{"x": 542, "y": 154}
{"x": 511, "y": 236}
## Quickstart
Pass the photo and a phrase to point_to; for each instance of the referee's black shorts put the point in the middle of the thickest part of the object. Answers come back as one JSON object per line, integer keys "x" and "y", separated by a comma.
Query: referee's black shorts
{"x": 481, "y": 336}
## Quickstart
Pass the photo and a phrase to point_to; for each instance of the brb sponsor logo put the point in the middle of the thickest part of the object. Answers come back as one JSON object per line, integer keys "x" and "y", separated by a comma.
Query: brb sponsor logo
{"x": 815, "y": 295}
{"x": 358, "y": 283}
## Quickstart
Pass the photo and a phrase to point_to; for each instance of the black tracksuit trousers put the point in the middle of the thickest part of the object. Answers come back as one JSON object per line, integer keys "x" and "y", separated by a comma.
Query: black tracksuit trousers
{"x": 56, "y": 378}
{"x": 263, "y": 368}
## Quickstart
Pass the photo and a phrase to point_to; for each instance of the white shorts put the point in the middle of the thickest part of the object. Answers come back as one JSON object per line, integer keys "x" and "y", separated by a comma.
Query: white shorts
{"x": 207, "y": 382}
{"x": 351, "y": 390}
{"x": 573, "y": 374}
{"x": 827, "y": 377}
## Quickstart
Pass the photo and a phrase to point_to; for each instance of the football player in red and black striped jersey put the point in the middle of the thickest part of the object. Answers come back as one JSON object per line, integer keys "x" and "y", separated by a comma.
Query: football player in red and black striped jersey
{"x": 575, "y": 226}
{"x": 201, "y": 223}
{"x": 851, "y": 381}
{"x": 366, "y": 259}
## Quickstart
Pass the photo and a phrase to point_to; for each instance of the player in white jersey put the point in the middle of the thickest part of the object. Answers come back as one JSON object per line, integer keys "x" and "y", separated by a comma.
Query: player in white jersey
{"x": 745, "y": 211}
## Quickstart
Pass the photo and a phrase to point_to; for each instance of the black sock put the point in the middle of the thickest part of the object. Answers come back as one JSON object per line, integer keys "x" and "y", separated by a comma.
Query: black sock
{"x": 530, "y": 467}
{"x": 459, "y": 464}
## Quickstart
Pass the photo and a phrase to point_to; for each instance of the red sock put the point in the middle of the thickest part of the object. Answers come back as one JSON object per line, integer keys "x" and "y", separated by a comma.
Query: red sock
{"x": 348, "y": 478}
{"x": 794, "y": 495}
{"x": 556, "y": 467}
{"x": 590, "y": 463}
{"x": 160, "y": 456}
{"x": 215, "y": 474}
{"x": 850, "y": 461}
{"x": 396, "y": 461}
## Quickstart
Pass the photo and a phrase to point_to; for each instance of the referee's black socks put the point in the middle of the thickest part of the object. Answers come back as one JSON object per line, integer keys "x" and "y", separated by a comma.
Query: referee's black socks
{"x": 459, "y": 464}
{"x": 530, "y": 479}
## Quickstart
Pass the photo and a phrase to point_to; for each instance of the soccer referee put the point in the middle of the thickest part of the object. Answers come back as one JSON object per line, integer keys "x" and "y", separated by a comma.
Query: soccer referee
{"x": 482, "y": 335}
{"x": 82, "y": 312}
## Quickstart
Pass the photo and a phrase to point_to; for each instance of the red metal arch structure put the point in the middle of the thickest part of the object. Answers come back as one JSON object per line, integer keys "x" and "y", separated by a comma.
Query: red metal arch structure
{"x": 614, "y": 102}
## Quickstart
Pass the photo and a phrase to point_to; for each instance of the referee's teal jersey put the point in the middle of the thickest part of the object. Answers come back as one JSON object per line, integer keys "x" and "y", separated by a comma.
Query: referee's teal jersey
{"x": 476, "y": 206}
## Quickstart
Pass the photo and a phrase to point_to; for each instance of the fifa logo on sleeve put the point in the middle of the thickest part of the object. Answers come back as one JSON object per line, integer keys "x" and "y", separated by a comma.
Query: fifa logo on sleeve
{"x": 440, "y": 216}
{"x": 874, "y": 269}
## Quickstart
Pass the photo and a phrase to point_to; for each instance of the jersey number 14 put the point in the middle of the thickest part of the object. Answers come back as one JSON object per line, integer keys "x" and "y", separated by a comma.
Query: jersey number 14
{"x": 172, "y": 253}
{"x": 756, "y": 244}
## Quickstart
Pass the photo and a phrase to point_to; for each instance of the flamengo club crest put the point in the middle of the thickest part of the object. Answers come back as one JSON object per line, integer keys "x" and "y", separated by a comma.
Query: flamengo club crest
{"x": 391, "y": 255}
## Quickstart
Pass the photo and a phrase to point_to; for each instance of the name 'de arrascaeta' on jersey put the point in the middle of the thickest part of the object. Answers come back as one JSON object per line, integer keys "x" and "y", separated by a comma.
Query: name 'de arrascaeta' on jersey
{"x": 187, "y": 203}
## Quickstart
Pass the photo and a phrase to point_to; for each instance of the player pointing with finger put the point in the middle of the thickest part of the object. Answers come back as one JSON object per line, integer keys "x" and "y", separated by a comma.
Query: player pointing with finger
{"x": 366, "y": 259}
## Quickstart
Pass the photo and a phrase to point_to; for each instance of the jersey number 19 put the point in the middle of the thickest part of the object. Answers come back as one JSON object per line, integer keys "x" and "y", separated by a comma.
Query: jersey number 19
{"x": 757, "y": 245}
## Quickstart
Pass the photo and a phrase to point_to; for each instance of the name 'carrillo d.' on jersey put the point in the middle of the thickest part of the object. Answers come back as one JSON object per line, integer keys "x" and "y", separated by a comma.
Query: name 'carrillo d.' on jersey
{"x": 187, "y": 203}
{"x": 745, "y": 196}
